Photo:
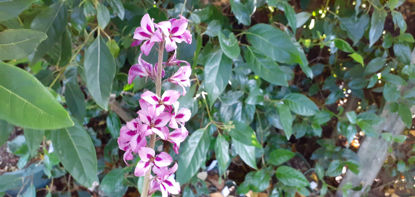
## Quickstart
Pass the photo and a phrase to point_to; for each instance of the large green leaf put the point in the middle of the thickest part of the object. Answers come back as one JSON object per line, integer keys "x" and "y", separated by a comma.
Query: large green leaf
{"x": 229, "y": 45}
{"x": 376, "y": 25}
{"x": 5, "y": 130}
{"x": 291, "y": 177}
{"x": 256, "y": 181}
{"x": 25, "y": 102}
{"x": 218, "y": 71}
{"x": 277, "y": 45}
{"x": 243, "y": 11}
{"x": 375, "y": 65}
{"x": 103, "y": 15}
{"x": 52, "y": 21}
{"x": 280, "y": 156}
{"x": 19, "y": 43}
{"x": 300, "y": 104}
{"x": 193, "y": 155}
{"x": 75, "y": 99}
{"x": 244, "y": 134}
{"x": 355, "y": 26}
{"x": 33, "y": 140}
{"x": 11, "y": 9}
{"x": 99, "y": 71}
{"x": 286, "y": 119}
{"x": 246, "y": 152}
{"x": 76, "y": 152}
{"x": 112, "y": 183}
{"x": 222, "y": 153}
{"x": 266, "y": 68}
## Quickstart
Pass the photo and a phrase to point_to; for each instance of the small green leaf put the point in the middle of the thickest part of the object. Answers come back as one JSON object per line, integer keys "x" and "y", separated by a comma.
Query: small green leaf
{"x": 229, "y": 45}
{"x": 280, "y": 156}
{"x": 75, "y": 99}
{"x": 112, "y": 183}
{"x": 286, "y": 119}
{"x": 192, "y": 155}
{"x": 76, "y": 152}
{"x": 103, "y": 15}
{"x": 406, "y": 115}
{"x": 291, "y": 177}
{"x": 213, "y": 28}
{"x": 19, "y": 43}
{"x": 335, "y": 168}
{"x": 391, "y": 92}
{"x": 33, "y": 140}
{"x": 375, "y": 65}
{"x": 343, "y": 45}
{"x": 244, "y": 134}
{"x": 246, "y": 152}
{"x": 351, "y": 116}
{"x": 355, "y": 26}
{"x": 376, "y": 25}
{"x": 25, "y": 102}
{"x": 301, "y": 18}
{"x": 358, "y": 58}
{"x": 243, "y": 11}
{"x": 398, "y": 20}
{"x": 117, "y": 8}
{"x": 222, "y": 153}
{"x": 255, "y": 181}
{"x": 99, "y": 67}
{"x": 300, "y": 104}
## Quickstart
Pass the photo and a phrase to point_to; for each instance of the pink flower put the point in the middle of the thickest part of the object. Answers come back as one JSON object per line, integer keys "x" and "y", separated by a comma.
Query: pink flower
{"x": 182, "y": 77}
{"x": 168, "y": 98}
{"x": 176, "y": 137}
{"x": 180, "y": 117}
{"x": 172, "y": 61}
{"x": 131, "y": 139}
{"x": 153, "y": 121}
{"x": 148, "y": 159}
{"x": 142, "y": 69}
{"x": 147, "y": 33}
{"x": 164, "y": 181}
{"x": 175, "y": 31}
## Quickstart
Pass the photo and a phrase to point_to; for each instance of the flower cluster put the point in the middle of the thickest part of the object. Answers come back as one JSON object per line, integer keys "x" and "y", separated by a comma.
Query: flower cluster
{"x": 159, "y": 115}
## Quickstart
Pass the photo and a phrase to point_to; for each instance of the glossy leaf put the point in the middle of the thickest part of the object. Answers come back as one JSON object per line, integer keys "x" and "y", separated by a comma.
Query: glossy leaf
{"x": 376, "y": 25}
{"x": 375, "y": 65}
{"x": 300, "y": 104}
{"x": 99, "y": 67}
{"x": 246, "y": 152}
{"x": 25, "y": 102}
{"x": 358, "y": 58}
{"x": 286, "y": 119}
{"x": 103, "y": 15}
{"x": 19, "y": 43}
{"x": 222, "y": 153}
{"x": 280, "y": 156}
{"x": 229, "y": 45}
{"x": 218, "y": 70}
{"x": 355, "y": 26}
{"x": 192, "y": 155}
{"x": 12, "y": 9}
{"x": 406, "y": 115}
{"x": 291, "y": 177}
{"x": 112, "y": 183}
{"x": 244, "y": 134}
{"x": 242, "y": 11}
{"x": 117, "y": 7}
{"x": 343, "y": 45}
{"x": 277, "y": 45}
{"x": 76, "y": 152}
{"x": 399, "y": 21}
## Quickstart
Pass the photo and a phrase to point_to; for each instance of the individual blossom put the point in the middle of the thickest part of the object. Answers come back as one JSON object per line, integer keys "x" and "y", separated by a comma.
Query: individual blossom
{"x": 146, "y": 34}
{"x": 175, "y": 31}
{"x": 182, "y": 77}
{"x": 173, "y": 61}
{"x": 168, "y": 98}
{"x": 164, "y": 181}
{"x": 142, "y": 69}
{"x": 176, "y": 137}
{"x": 179, "y": 117}
{"x": 148, "y": 159}
{"x": 153, "y": 121}
{"x": 131, "y": 139}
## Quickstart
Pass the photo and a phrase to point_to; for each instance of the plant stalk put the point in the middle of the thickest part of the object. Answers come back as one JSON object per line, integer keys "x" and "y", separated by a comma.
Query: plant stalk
{"x": 146, "y": 183}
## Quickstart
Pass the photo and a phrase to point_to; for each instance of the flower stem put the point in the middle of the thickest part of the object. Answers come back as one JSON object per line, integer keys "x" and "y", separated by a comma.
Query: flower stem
{"x": 158, "y": 92}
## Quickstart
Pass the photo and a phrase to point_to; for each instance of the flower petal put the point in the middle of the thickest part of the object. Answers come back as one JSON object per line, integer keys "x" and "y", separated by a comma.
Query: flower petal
{"x": 142, "y": 168}
{"x": 170, "y": 96}
{"x": 162, "y": 119}
{"x": 150, "y": 97}
{"x": 163, "y": 159}
{"x": 147, "y": 24}
{"x": 146, "y": 153}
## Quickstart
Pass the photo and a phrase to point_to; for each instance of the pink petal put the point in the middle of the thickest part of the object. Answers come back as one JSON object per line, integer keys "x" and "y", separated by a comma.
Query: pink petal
{"x": 187, "y": 37}
{"x": 146, "y": 47}
{"x": 170, "y": 96}
{"x": 154, "y": 186}
{"x": 183, "y": 115}
{"x": 127, "y": 156}
{"x": 162, "y": 119}
{"x": 163, "y": 159}
{"x": 133, "y": 73}
{"x": 171, "y": 185}
{"x": 170, "y": 45}
{"x": 178, "y": 26}
{"x": 150, "y": 97}
{"x": 173, "y": 123}
{"x": 142, "y": 168}
{"x": 147, "y": 24}
{"x": 165, "y": 27}
{"x": 146, "y": 153}
{"x": 162, "y": 132}
{"x": 135, "y": 43}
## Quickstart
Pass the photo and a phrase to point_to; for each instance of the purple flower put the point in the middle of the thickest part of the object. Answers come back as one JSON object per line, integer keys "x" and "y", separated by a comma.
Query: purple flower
{"x": 168, "y": 98}
{"x": 147, "y": 34}
{"x": 182, "y": 77}
{"x": 131, "y": 139}
{"x": 176, "y": 137}
{"x": 164, "y": 181}
{"x": 175, "y": 31}
{"x": 148, "y": 160}
{"x": 142, "y": 69}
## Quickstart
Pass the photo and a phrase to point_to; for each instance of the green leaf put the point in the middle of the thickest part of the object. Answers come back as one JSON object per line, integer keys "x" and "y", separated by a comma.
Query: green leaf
{"x": 99, "y": 71}
{"x": 406, "y": 115}
{"x": 355, "y": 26}
{"x": 301, "y": 18}
{"x": 25, "y": 102}
{"x": 343, "y": 45}
{"x": 242, "y": 11}
{"x": 76, "y": 152}
{"x": 358, "y": 58}
{"x": 402, "y": 52}
{"x": 30, "y": 191}
{"x": 5, "y": 130}
{"x": 12, "y": 9}
{"x": 103, "y": 15}
{"x": 390, "y": 92}
{"x": 112, "y": 183}
{"x": 398, "y": 20}
{"x": 15, "y": 180}
{"x": 266, "y": 68}
{"x": 246, "y": 152}
{"x": 75, "y": 99}
{"x": 117, "y": 8}
{"x": 33, "y": 140}
{"x": 291, "y": 177}
{"x": 351, "y": 116}
{"x": 286, "y": 119}
{"x": 335, "y": 168}
{"x": 193, "y": 155}
{"x": 277, "y": 45}
{"x": 290, "y": 15}
{"x": 300, "y": 104}
{"x": 376, "y": 25}
{"x": 375, "y": 65}
{"x": 217, "y": 73}
{"x": 113, "y": 124}
{"x": 280, "y": 156}
{"x": 213, "y": 28}
{"x": 222, "y": 153}
{"x": 229, "y": 45}
{"x": 51, "y": 21}
{"x": 255, "y": 181}
{"x": 244, "y": 134}
{"x": 19, "y": 43}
